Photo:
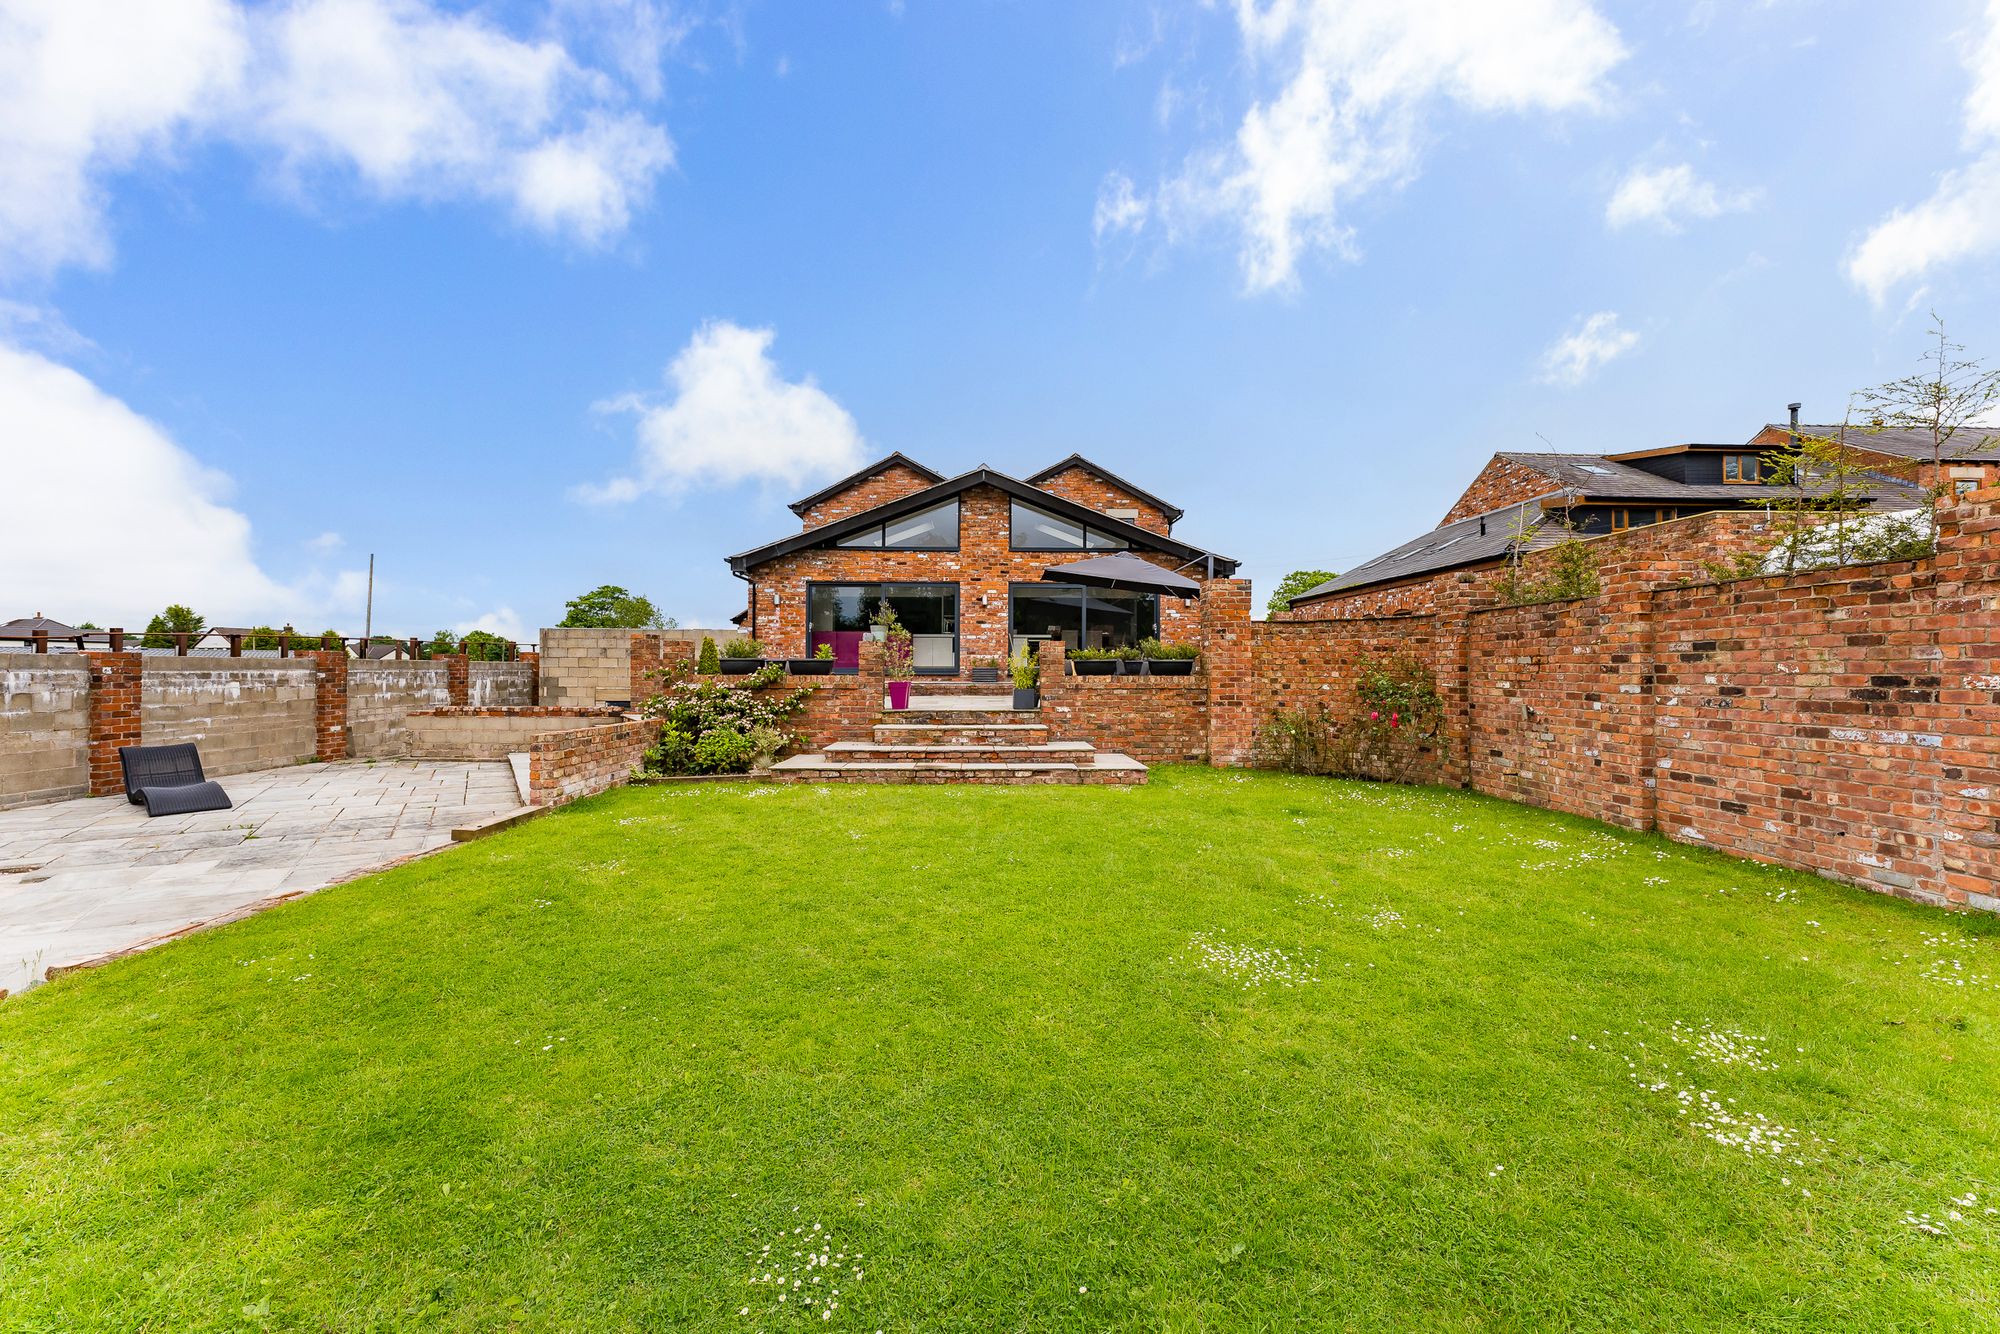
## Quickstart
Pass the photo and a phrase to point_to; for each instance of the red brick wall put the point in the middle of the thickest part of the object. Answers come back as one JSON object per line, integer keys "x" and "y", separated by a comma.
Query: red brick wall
{"x": 1500, "y": 482}
{"x": 1229, "y": 665}
{"x": 1086, "y": 488}
{"x": 892, "y": 483}
{"x": 1303, "y": 666}
{"x": 1410, "y": 597}
{"x": 1154, "y": 719}
{"x": 982, "y": 567}
{"x": 329, "y": 704}
{"x": 563, "y": 766}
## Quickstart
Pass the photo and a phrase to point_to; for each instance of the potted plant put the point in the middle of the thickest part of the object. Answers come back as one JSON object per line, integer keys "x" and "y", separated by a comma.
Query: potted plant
{"x": 1130, "y": 661}
{"x": 1163, "y": 659}
{"x": 986, "y": 670}
{"x": 898, "y": 659}
{"x": 1092, "y": 661}
{"x": 819, "y": 664}
{"x": 1026, "y": 670}
{"x": 740, "y": 657}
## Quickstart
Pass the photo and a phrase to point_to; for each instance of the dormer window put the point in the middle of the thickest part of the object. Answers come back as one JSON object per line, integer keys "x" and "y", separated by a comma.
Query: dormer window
{"x": 1741, "y": 469}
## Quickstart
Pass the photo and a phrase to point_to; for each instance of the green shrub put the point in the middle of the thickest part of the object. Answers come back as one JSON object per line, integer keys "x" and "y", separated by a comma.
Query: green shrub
{"x": 1092, "y": 655}
{"x": 709, "y": 726}
{"x": 824, "y": 653}
{"x": 1395, "y": 733}
{"x": 723, "y": 753}
{"x": 1161, "y": 651}
{"x": 742, "y": 648}
{"x": 705, "y": 663}
{"x": 1026, "y": 668}
{"x": 1126, "y": 654}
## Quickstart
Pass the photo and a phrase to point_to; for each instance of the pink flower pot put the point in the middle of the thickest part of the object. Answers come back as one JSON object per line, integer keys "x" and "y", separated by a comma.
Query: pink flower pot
{"x": 899, "y": 695}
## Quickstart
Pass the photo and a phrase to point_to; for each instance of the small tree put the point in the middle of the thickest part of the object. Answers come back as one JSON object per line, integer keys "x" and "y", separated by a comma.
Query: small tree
{"x": 442, "y": 644}
{"x": 609, "y": 606}
{"x": 485, "y": 646}
{"x": 709, "y": 662}
{"x": 1293, "y": 584}
{"x": 177, "y": 619}
{"x": 1949, "y": 395}
{"x": 1571, "y": 567}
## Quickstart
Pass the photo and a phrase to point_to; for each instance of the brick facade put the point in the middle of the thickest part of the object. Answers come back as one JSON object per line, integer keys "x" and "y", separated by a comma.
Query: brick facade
{"x": 982, "y": 568}
{"x": 1500, "y": 482}
{"x": 115, "y": 687}
{"x": 566, "y": 765}
{"x": 892, "y": 483}
{"x": 329, "y": 704}
{"x": 1079, "y": 484}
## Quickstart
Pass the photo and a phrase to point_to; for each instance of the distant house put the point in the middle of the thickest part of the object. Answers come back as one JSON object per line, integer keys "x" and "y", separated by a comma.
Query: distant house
{"x": 1535, "y": 500}
{"x": 1971, "y": 459}
{"x": 962, "y": 561}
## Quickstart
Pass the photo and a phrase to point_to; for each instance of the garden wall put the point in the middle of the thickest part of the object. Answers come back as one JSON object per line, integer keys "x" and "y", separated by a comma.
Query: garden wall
{"x": 44, "y": 727}
{"x": 566, "y": 765}
{"x": 474, "y": 733}
{"x": 243, "y": 716}
{"x": 1155, "y": 720}
{"x": 382, "y": 695}
{"x": 502, "y": 685}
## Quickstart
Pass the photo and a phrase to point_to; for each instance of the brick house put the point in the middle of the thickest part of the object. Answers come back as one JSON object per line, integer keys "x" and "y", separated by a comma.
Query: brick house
{"x": 1970, "y": 462}
{"x": 962, "y": 560}
{"x": 1535, "y": 500}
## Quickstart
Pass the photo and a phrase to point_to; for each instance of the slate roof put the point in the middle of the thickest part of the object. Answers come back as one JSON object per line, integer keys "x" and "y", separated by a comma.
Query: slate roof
{"x": 881, "y": 465}
{"x": 1450, "y": 546}
{"x": 1173, "y": 512}
{"x": 29, "y": 625}
{"x": 1597, "y": 477}
{"x": 829, "y": 533}
{"x": 1972, "y": 444}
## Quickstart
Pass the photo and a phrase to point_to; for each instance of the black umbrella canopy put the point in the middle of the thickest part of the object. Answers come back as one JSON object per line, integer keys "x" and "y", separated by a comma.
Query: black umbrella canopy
{"x": 1124, "y": 572}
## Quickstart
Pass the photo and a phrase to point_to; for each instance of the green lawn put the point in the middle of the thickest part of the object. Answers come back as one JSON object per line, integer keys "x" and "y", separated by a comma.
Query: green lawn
{"x": 1227, "y": 1052}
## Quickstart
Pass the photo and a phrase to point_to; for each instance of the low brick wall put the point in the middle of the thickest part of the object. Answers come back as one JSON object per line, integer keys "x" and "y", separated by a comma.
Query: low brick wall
{"x": 381, "y": 696}
{"x": 566, "y": 765}
{"x": 44, "y": 727}
{"x": 1153, "y": 719}
{"x": 471, "y": 733}
{"x": 243, "y": 714}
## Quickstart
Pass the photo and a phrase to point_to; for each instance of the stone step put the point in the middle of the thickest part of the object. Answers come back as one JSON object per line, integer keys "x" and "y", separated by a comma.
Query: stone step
{"x": 1073, "y": 752}
{"x": 982, "y": 699}
{"x": 931, "y": 685}
{"x": 957, "y": 717}
{"x": 946, "y": 734}
{"x": 1109, "y": 770}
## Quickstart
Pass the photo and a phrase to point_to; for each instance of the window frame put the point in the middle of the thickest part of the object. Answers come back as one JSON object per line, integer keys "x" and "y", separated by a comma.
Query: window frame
{"x": 846, "y": 542}
{"x": 1736, "y": 461}
{"x": 957, "y": 616}
{"x": 1015, "y": 588}
{"x": 1122, "y": 542}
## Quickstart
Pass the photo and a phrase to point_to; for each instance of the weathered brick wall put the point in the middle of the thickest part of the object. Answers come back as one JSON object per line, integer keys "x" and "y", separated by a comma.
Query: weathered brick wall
{"x": 1306, "y": 666}
{"x": 982, "y": 568}
{"x": 1084, "y": 487}
{"x": 892, "y": 483}
{"x": 1409, "y": 597}
{"x": 44, "y": 727}
{"x": 243, "y": 715}
{"x": 502, "y": 685}
{"x": 1500, "y": 482}
{"x": 381, "y": 695}
{"x": 566, "y": 765}
{"x": 1155, "y": 720}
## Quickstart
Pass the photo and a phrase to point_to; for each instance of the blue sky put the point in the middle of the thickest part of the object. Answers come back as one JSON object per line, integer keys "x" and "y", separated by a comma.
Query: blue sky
{"x": 524, "y": 298}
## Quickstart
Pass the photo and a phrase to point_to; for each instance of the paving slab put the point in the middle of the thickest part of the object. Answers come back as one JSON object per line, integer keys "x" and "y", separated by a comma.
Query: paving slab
{"x": 84, "y": 878}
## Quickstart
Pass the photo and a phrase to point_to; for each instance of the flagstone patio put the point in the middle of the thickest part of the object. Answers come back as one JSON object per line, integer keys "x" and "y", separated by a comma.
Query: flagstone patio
{"x": 85, "y": 878}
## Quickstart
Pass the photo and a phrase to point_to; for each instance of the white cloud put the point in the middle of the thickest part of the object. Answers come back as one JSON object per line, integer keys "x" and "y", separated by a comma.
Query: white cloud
{"x": 731, "y": 419}
{"x": 1119, "y": 207}
{"x": 123, "y": 521}
{"x": 502, "y": 621}
{"x": 1666, "y": 197}
{"x": 1578, "y": 354}
{"x": 1356, "y": 84}
{"x": 326, "y": 543}
{"x": 1961, "y": 219}
{"x": 406, "y": 98}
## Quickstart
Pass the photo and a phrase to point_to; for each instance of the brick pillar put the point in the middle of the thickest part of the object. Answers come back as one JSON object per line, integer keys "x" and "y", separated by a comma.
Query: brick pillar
{"x": 114, "y": 717}
{"x": 534, "y": 662}
{"x": 1967, "y": 614}
{"x": 1227, "y": 652}
{"x": 1052, "y": 656}
{"x": 874, "y": 671}
{"x": 457, "y": 678}
{"x": 644, "y": 665}
{"x": 329, "y": 703}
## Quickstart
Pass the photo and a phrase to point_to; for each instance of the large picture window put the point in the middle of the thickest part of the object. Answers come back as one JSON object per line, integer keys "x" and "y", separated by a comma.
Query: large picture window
{"x": 1038, "y": 530}
{"x": 1081, "y": 617}
{"x": 839, "y": 614}
{"x": 934, "y": 529}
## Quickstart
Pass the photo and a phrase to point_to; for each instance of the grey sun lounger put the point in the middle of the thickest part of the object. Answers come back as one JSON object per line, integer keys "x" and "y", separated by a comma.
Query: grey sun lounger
{"x": 167, "y": 780}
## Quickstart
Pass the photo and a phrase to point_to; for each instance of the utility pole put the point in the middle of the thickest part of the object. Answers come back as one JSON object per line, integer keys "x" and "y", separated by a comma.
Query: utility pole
{"x": 368, "y": 617}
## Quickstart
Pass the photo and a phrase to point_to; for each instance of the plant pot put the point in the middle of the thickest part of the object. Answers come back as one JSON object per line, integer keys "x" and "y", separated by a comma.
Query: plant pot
{"x": 809, "y": 666}
{"x": 740, "y": 666}
{"x": 1170, "y": 666}
{"x": 899, "y": 695}
{"x": 1131, "y": 666}
{"x": 1093, "y": 666}
{"x": 986, "y": 675}
{"x": 1027, "y": 698}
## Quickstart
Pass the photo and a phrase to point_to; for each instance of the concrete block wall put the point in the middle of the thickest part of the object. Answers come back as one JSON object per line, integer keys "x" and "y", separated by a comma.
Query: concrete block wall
{"x": 44, "y": 728}
{"x": 501, "y": 685}
{"x": 382, "y": 695}
{"x": 243, "y": 716}
{"x": 588, "y": 667}
{"x": 479, "y": 734}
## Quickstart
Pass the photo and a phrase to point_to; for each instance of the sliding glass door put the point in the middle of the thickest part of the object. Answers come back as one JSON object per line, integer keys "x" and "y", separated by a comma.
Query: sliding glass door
{"x": 1081, "y": 617}
{"x": 839, "y": 614}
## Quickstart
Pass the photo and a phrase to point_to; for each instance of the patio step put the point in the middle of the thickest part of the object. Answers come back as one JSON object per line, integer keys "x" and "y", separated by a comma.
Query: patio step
{"x": 862, "y": 752}
{"x": 965, "y": 717}
{"x": 1108, "y": 770}
{"x": 946, "y": 734}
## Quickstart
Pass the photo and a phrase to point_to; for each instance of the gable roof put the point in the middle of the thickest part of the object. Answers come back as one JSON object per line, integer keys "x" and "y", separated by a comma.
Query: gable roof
{"x": 1173, "y": 512}
{"x": 828, "y": 533}
{"x": 27, "y": 626}
{"x": 879, "y": 466}
{"x": 1452, "y": 545}
{"x": 1972, "y": 444}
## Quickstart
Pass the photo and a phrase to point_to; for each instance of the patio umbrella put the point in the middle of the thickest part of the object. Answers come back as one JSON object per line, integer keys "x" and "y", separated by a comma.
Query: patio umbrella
{"x": 1123, "y": 572}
